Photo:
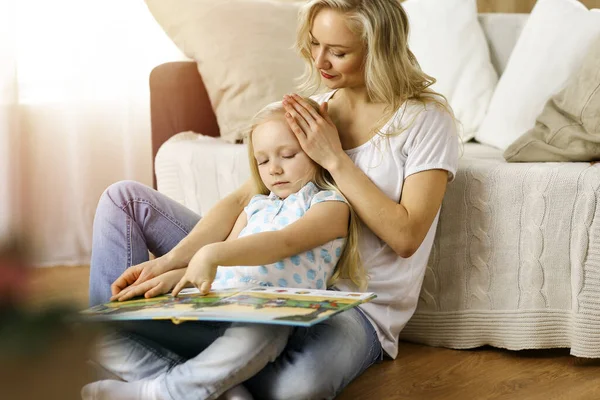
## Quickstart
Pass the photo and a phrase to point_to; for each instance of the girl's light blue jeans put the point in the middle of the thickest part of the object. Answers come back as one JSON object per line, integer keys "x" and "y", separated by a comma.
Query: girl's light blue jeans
{"x": 317, "y": 362}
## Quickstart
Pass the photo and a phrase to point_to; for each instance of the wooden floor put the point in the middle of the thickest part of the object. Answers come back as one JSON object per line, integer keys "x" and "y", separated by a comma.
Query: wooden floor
{"x": 420, "y": 372}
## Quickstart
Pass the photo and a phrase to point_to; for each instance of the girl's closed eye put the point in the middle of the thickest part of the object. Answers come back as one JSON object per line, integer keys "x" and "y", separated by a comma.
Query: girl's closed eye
{"x": 262, "y": 162}
{"x": 289, "y": 155}
{"x": 338, "y": 55}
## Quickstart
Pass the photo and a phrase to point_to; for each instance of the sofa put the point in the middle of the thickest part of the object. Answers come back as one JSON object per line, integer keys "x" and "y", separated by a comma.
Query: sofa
{"x": 516, "y": 258}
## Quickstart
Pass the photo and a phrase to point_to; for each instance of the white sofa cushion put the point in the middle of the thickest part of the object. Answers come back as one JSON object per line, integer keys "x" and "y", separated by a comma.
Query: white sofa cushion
{"x": 569, "y": 127}
{"x": 450, "y": 45}
{"x": 244, "y": 53}
{"x": 550, "y": 49}
{"x": 197, "y": 170}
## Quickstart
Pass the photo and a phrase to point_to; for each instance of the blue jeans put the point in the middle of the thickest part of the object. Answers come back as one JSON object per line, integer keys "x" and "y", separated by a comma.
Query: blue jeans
{"x": 239, "y": 351}
{"x": 317, "y": 362}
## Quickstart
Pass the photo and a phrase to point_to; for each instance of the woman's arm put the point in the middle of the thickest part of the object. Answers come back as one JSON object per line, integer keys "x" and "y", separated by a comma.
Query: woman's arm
{"x": 166, "y": 281}
{"x": 153, "y": 287}
{"x": 213, "y": 227}
{"x": 403, "y": 226}
{"x": 322, "y": 223}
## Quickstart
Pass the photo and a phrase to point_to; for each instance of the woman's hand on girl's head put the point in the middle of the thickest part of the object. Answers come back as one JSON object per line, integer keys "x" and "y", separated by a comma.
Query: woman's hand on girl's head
{"x": 200, "y": 272}
{"x": 315, "y": 131}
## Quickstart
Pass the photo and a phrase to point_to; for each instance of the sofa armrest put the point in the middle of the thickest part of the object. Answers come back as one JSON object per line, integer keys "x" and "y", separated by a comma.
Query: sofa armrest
{"x": 179, "y": 103}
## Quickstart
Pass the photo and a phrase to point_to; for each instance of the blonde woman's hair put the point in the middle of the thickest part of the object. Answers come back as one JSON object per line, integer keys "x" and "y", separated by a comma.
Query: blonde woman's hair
{"x": 349, "y": 265}
{"x": 392, "y": 73}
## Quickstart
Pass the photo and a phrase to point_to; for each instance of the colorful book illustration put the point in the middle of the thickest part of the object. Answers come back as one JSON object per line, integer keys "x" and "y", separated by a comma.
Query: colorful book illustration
{"x": 269, "y": 305}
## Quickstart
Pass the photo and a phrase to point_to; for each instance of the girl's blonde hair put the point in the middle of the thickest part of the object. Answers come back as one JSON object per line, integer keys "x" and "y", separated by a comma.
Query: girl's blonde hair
{"x": 392, "y": 73}
{"x": 349, "y": 265}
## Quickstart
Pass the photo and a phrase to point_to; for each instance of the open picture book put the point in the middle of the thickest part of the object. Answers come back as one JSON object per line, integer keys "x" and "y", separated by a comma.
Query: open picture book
{"x": 269, "y": 305}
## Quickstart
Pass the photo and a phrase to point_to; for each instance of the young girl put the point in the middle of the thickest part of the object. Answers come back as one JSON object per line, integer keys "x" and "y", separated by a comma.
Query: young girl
{"x": 292, "y": 234}
{"x": 391, "y": 145}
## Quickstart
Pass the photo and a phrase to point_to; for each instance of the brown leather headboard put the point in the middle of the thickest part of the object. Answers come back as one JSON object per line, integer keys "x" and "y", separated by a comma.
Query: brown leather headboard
{"x": 178, "y": 103}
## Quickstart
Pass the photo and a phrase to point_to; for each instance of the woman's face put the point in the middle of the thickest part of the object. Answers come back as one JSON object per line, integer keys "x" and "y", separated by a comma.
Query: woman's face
{"x": 337, "y": 52}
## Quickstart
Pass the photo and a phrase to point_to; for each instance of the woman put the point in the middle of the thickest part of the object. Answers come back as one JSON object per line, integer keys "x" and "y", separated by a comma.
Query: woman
{"x": 390, "y": 144}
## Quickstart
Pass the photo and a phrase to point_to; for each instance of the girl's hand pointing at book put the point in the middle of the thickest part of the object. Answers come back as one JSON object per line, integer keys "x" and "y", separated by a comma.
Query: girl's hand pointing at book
{"x": 200, "y": 273}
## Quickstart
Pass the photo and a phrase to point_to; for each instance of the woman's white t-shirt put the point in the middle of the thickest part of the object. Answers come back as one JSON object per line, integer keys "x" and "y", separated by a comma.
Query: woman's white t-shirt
{"x": 428, "y": 140}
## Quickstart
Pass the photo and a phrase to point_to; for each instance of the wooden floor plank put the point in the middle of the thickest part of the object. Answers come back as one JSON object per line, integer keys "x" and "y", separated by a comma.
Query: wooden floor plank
{"x": 419, "y": 372}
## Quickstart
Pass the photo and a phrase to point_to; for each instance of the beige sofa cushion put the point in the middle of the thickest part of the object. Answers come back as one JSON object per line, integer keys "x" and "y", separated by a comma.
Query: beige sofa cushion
{"x": 568, "y": 129}
{"x": 243, "y": 50}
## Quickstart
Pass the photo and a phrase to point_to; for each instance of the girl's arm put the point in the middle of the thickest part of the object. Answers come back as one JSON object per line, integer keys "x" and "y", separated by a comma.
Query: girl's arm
{"x": 215, "y": 226}
{"x": 403, "y": 226}
{"x": 322, "y": 223}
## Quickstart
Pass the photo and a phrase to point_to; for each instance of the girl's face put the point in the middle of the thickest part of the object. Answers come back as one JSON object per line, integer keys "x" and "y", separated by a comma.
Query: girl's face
{"x": 283, "y": 167}
{"x": 337, "y": 52}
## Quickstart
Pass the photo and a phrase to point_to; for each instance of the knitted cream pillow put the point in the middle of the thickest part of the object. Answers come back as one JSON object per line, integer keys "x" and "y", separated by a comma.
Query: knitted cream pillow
{"x": 552, "y": 45}
{"x": 568, "y": 129}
